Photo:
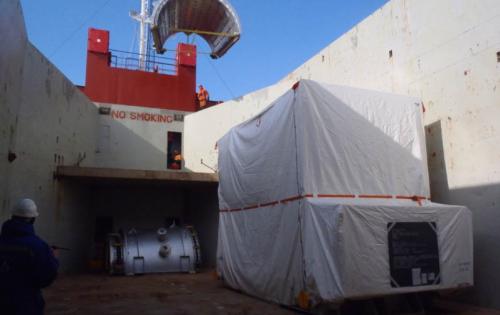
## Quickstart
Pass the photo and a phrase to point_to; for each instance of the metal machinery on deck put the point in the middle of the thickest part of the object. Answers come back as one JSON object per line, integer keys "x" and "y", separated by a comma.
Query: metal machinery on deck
{"x": 172, "y": 249}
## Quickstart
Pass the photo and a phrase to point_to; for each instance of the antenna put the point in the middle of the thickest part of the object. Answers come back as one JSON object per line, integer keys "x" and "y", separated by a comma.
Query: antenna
{"x": 143, "y": 19}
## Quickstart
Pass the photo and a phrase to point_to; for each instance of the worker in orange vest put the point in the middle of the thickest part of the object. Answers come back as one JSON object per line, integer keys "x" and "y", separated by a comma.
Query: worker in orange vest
{"x": 202, "y": 96}
{"x": 176, "y": 160}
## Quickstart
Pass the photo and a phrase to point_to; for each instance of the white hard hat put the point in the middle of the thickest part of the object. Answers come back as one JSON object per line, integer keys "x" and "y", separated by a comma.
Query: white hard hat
{"x": 25, "y": 208}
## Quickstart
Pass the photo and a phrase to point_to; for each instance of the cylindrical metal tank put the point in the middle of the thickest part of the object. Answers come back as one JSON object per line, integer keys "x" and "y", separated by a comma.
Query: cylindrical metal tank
{"x": 173, "y": 249}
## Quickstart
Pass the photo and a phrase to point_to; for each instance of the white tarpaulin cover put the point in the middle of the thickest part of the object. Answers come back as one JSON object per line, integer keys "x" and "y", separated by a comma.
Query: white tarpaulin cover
{"x": 326, "y": 192}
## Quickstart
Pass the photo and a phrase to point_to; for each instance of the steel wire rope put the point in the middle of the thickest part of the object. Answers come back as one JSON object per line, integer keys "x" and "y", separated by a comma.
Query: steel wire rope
{"x": 221, "y": 78}
{"x": 79, "y": 28}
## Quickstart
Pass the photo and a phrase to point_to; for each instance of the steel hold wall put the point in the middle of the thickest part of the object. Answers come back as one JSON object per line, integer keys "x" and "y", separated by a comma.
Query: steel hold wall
{"x": 50, "y": 122}
{"x": 11, "y": 69}
{"x": 446, "y": 53}
{"x": 57, "y": 125}
{"x": 132, "y": 137}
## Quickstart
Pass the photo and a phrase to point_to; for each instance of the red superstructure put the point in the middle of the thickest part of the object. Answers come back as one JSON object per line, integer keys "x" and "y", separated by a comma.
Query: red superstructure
{"x": 107, "y": 82}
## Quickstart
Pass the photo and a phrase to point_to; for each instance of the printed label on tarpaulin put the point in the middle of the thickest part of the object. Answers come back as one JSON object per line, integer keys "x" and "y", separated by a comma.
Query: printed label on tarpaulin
{"x": 413, "y": 254}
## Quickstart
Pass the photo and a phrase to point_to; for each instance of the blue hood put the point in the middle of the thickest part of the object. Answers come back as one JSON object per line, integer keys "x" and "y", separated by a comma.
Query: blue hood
{"x": 16, "y": 227}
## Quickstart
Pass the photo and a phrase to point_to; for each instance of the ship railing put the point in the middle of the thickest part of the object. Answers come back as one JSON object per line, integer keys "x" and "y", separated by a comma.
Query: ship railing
{"x": 154, "y": 63}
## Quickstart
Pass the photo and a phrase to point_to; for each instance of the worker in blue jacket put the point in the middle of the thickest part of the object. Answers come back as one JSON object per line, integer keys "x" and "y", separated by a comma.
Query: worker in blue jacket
{"x": 27, "y": 263}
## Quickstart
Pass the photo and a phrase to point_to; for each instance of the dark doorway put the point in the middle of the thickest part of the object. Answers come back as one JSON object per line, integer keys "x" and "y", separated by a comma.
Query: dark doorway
{"x": 103, "y": 226}
{"x": 174, "y": 151}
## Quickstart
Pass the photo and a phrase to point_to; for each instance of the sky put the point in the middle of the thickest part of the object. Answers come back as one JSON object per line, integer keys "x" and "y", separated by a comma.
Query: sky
{"x": 277, "y": 37}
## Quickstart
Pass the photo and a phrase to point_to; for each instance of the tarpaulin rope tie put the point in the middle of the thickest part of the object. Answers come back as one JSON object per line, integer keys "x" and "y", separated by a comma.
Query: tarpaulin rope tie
{"x": 376, "y": 196}
{"x": 417, "y": 199}
{"x": 335, "y": 196}
{"x": 299, "y": 187}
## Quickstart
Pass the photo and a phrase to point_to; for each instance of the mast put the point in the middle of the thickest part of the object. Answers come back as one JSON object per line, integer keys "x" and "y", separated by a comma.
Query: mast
{"x": 143, "y": 19}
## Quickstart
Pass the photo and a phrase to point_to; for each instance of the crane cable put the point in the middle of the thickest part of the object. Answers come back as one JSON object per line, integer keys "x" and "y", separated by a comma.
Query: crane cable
{"x": 79, "y": 28}
{"x": 220, "y": 77}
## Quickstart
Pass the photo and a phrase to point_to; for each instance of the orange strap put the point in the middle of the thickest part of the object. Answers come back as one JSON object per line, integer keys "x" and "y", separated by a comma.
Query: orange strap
{"x": 417, "y": 199}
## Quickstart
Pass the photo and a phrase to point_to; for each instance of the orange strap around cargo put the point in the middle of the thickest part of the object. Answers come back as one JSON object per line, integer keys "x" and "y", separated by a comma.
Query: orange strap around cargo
{"x": 417, "y": 199}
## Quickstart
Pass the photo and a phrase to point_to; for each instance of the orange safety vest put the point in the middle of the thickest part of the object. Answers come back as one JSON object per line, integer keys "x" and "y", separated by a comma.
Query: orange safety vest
{"x": 202, "y": 95}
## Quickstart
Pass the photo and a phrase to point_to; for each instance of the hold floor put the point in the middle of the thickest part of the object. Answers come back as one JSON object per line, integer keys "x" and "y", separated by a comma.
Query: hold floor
{"x": 176, "y": 294}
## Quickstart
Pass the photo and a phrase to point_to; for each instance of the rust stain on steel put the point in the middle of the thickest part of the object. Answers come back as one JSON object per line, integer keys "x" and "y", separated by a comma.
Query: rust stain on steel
{"x": 48, "y": 89}
{"x": 59, "y": 200}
